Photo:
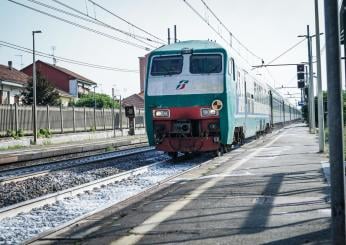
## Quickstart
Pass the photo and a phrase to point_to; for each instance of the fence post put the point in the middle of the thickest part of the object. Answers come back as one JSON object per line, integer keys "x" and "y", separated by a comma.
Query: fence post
{"x": 48, "y": 121}
{"x": 73, "y": 119}
{"x": 113, "y": 120}
{"x": 95, "y": 118}
{"x": 104, "y": 119}
{"x": 85, "y": 129}
{"x": 11, "y": 117}
{"x": 16, "y": 116}
{"x": 61, "y": 120}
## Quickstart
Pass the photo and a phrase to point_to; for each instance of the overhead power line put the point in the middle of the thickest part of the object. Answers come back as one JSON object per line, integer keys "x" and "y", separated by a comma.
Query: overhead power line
{"x": 91, "y": 20}
{"x": 99, "y": 22}
{"x": 66, "y": 60}
{"x": 228, "y": 30}
{"x": 285, "y": 52}
{"x": 216, "y": 31}
{"x": 83, "y": 27}
{"x": 126, "y": 21}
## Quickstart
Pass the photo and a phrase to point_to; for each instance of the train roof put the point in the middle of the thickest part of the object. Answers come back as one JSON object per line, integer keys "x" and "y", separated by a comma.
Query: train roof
{"x": 192, "y": 44}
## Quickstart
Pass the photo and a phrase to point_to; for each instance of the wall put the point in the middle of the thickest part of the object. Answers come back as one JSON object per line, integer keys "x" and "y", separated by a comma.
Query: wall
{"x": 64, "y": 119}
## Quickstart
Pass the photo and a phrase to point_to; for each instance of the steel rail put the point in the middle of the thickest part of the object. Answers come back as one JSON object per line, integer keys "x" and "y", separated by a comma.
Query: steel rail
{"x": 73, "y": 221}
{"x": 117, "y": 154}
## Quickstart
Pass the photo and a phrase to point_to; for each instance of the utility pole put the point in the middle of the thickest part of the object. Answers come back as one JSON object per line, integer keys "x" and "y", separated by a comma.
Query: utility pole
{"x": 311, "y": 83}
{"x": 335, "y": 121}
{"x": 34, "y": 85}
{"x": 319, "y": 82}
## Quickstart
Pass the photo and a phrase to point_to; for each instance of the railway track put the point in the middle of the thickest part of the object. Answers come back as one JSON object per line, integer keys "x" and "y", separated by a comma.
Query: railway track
{"x": 25, "y": 172}
{"x": 17, "y": 221}
{"x": 33, "y": 219}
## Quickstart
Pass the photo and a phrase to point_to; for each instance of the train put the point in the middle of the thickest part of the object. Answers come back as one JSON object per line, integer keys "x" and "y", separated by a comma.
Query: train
{"x": 198, "y": 99}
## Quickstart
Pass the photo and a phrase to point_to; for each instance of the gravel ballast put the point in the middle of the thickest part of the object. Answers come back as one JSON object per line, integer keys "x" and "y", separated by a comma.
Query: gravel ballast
{"x": 15, "y": 192}
{"x": 25, "y": 226}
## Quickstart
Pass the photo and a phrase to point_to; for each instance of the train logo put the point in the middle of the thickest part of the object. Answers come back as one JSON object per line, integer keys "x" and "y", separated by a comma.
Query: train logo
{"x": 181, "y": 85}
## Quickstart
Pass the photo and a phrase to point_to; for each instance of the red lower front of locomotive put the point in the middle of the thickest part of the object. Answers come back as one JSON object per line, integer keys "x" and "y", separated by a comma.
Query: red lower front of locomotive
{"x": 186, "y": 129}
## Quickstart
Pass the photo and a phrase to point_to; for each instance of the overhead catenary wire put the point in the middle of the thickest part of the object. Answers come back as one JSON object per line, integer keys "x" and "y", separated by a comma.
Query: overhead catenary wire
{"x": 229, "y": 31}
{"x": 217, "y": 32}
{"x": 99, "y": 22}
{"x": 91, "y": 20}
{"x": 66, "y": 60}
{"x": 285, "y": 52}
{"x": 126, "y": 21}
{"x": 83, "y": 27}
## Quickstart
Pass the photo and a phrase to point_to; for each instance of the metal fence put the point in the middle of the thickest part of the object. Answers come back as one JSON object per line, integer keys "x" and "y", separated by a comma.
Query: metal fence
{"x": 65, "y": 119}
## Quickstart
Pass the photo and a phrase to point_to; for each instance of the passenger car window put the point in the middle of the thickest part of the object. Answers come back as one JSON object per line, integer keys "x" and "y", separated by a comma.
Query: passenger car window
{"x": 205, "y": 63}
{"x": 166, "y": 65}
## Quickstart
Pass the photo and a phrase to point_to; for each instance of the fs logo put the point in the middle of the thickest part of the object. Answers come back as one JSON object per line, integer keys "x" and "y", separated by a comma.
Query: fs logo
{"x": 181, "y": 85}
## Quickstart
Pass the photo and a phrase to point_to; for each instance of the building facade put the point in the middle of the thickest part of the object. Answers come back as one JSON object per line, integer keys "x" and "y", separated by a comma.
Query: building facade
{"x": 62, "y": 78}
{"x": 12, "y": 83}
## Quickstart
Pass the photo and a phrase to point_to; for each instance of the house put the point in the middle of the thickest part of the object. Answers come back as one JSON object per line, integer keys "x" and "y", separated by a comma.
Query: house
{"x": 137, "y": 100}
{"x": 62, "y": 79}
{"x": 12, "y": 83}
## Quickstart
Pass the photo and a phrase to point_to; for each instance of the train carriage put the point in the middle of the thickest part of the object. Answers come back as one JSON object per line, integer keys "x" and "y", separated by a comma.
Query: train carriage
{"x": 197, "y": 99}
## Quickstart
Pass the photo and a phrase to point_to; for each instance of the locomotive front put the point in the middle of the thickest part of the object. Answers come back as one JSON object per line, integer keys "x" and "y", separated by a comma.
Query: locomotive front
{"x": 184, "y": 96}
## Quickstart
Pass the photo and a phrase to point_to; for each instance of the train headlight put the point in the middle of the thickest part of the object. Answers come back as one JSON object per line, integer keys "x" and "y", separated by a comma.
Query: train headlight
{"x": 205, "y": 112}
{"x": 161, "y": 113}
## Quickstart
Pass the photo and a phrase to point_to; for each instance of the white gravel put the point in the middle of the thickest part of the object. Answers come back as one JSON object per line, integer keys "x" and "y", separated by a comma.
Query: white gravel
{"x": 25, "y": 226}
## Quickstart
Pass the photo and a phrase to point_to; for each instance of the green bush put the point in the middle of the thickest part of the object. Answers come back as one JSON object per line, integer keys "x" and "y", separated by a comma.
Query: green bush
{"x": 15, "y": 135}
{"x": 44, "y": 133}
{"x": 102, "y": 101}
{"x": 20, "y": 132}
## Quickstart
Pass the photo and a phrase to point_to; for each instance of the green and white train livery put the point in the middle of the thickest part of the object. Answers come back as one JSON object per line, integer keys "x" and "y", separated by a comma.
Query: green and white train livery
{"x": 197, "y": 99}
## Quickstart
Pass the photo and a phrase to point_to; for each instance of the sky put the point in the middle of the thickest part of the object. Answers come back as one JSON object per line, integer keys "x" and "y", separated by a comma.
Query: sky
{"x": 266, "y": 27}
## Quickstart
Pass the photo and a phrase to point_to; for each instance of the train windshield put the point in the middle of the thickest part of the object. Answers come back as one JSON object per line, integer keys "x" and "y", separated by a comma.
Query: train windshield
{"x": 205, "y": 63}
{"x": 167, "y": 65}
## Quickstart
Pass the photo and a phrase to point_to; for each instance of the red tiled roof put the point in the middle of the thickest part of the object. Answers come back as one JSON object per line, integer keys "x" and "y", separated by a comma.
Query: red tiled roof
{"x": 135, "y": 100}
{"x": 13, "y": 75}
{"x": 68, "y": 72}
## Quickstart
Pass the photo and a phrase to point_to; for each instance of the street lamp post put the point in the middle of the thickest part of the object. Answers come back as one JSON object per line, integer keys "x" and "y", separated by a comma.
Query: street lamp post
{"x": 34, "y": 84}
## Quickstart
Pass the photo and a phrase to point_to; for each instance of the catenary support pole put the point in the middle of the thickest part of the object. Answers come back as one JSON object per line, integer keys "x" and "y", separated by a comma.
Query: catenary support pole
{"x": 319, "y": 82}
{"x": 335, "y": 121}
{"x": 311, "y": 83}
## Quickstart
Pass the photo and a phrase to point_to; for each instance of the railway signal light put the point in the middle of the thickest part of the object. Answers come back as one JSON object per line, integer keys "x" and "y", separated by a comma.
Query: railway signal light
{"x": 300, "y": 68}
{"x": 301, "y": 72}
{"x": 301, "y": 84}
{"x": 301, "y": 75}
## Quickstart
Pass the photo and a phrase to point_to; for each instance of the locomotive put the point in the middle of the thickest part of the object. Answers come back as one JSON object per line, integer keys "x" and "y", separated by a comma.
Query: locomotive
{"x": 197, "y": 99}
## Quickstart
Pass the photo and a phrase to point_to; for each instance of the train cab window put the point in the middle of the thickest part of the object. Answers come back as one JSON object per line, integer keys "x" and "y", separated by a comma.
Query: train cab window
{"x": 167, "y": 65}
{"x": 205, "y": 63}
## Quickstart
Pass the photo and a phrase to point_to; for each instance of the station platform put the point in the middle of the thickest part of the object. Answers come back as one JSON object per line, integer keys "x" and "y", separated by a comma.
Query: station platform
{"x": 270, "y": 191}
{"x": 68, "y": 144}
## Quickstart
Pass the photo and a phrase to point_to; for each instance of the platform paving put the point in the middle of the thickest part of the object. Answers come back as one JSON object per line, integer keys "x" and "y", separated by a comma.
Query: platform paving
{"x": 271, "y": 191}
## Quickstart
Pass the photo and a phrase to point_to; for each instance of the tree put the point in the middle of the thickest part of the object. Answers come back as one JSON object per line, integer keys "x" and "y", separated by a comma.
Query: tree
{"x": 46, "y": 94}
{"x": 102, "y": 101}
